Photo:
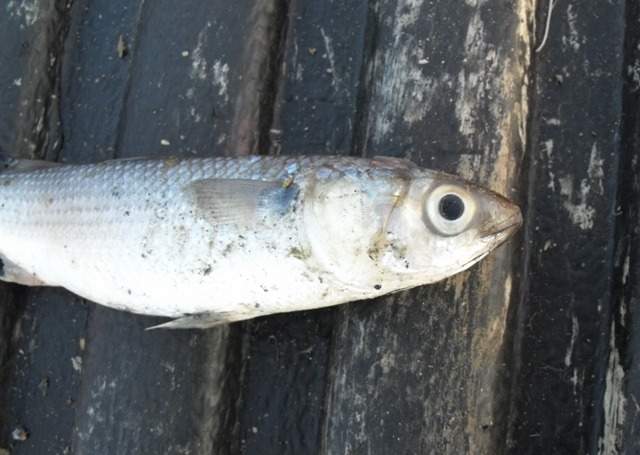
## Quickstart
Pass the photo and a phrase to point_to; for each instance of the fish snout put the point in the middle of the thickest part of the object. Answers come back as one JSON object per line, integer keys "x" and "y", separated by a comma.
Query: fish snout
{"x": 502, "y": 221}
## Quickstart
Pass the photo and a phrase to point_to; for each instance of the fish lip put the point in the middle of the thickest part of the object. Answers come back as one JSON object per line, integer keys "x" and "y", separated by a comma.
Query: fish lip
{"x": 504, "y": 229}
{"x": 475, "y": 260}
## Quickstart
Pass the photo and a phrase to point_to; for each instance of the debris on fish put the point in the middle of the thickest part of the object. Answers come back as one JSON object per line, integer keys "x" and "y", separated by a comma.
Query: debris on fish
{"x": 215, "y": 240}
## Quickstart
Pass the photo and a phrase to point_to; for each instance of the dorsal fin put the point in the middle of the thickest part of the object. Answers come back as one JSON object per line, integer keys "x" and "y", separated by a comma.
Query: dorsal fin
{"x": 10, "y": 163}
{"x": 394, "y": 162}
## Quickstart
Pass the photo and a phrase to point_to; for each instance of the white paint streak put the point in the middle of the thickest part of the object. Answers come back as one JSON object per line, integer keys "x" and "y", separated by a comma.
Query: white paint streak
{"x": 625, "y": 269}
{"x": 96, "y": 412}
{"x": 547, "y": 151}
{"x": 574, "y": 379}
{"x": 198, "y": 62}
{"x": 573, "y": 40}
{"x": 475, "y": 3}
{"x": 29, "y": 10}
{"x": 468, "y": 164}
{"x": 421, "y": 93}
{"x": 294, "y": 61}
{"x": 330, "y": 55}
{"x": 477, "y": 82}
{"x": 404, "y": 91}
{"x": 634, "y": 72}
{"x": 221, "y": 79}
{"x": 595, "y": 171}
{"x": 614, "y": 402}
{"x": 574, "y": 337}
{"x": 523, "y": 32}
{"x": 217, "y": 74}
{"x": 580, "y": 211}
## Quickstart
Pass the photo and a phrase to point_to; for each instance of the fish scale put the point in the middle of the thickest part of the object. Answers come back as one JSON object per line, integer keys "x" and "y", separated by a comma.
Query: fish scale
{"x": 214, "y": 240}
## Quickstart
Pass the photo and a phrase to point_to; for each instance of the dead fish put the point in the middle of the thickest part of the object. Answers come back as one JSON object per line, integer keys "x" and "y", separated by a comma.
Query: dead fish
{"x": 215, "y": 240}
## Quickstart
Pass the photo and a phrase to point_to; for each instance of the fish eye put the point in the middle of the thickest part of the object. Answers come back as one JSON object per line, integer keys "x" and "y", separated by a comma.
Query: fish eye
{"x": 448, "y": 209}
{"x": 451, "y": 207}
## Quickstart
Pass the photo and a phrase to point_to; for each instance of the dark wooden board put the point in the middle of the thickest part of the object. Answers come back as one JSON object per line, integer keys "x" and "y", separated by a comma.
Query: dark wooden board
{"x": 567, "y": 382}
{"x": 532, "y": 351}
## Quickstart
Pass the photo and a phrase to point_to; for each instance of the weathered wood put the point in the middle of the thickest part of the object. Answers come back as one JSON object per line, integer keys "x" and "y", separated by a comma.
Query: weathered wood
{"x": 43, "y": 375}
{"x": 43, "y": 333}
{"x": 566, "y": 312}
{"x": 287, "y": 360}
{"x": 623, "y": 370}
{"x": 142, "y": 79}
{"x": 32, "y": 37}
{"x": 423, "y": 371}
{"x": 170, "y": 392}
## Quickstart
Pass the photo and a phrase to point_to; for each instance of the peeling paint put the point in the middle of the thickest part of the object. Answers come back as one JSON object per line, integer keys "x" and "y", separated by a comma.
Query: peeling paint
{"x": 198, "y": 62}
{"x": 330, "y": 56}
{"x": 217, "y": 74}
{"x": 573, "y": 40}
{"x": 625, "y": 269}
{"x": 547, "y": 151}
{"x": 221, "y": 79}
{"x": 572, "y": 343}
{"x": 468, "y": 164}
{"x": 299, "y": 69}
{"x": 472, "y": 85}
{"x": 633, "y": 71}
{"x": 595, "y": 171}
{"x": 29, "y": 10}
{"x": 614, "y": 402}
{"x": 581, "y": 212}
{"x": 404, "y": 91}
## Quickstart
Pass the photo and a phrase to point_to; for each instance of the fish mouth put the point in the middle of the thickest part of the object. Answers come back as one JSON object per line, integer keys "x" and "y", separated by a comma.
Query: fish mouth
{"x": 503, "y": 229}
{"x": 495, "y": 234}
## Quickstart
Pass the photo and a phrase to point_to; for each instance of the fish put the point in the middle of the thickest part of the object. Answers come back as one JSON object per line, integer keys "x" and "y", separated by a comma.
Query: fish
{"x": 208, "y": 241}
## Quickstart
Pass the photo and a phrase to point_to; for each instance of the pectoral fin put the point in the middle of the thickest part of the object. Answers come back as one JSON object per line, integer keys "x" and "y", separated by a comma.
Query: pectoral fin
{"x": 13, "y": 273}
{"x": 196, "y": 321}
{"x": 225, "y": 201}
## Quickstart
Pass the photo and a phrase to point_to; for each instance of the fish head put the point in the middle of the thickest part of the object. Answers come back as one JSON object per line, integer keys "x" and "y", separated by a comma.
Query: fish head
{"x": 388, "y": 229}
{"x": 442, "y": 225}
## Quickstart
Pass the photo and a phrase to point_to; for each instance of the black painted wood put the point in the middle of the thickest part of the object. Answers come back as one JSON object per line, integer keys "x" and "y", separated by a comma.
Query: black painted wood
{"x": 568, "y": 381}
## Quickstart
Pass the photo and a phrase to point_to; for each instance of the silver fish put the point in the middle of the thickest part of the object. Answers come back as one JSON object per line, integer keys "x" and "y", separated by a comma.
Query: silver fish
{"x": 215, "y": 240}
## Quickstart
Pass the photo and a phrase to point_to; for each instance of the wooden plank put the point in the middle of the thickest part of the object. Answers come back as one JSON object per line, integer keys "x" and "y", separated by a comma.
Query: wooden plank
{"x": 172, "y": 93}
{"x": 423, "y": 371}
{"x": 29, "y": 58}
{"x": 623, "y": 370}
{"x": 565, "y": 318}
{"x": 287, "y": 358}
{"x": 42, "y": 329}
{"x": 171, "y": 89}
{"x": 42, "y": 375}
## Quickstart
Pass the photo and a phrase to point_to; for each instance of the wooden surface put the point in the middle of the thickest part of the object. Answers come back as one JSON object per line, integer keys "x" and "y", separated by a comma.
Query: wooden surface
{"x": 531, "y": 351}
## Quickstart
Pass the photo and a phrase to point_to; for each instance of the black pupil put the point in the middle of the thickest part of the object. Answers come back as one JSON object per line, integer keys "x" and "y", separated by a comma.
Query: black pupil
{"x": 451, "y": 207}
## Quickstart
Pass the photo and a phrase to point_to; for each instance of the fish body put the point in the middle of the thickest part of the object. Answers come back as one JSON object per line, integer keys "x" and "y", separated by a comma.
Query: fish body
{"x": 214, "y": 240}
